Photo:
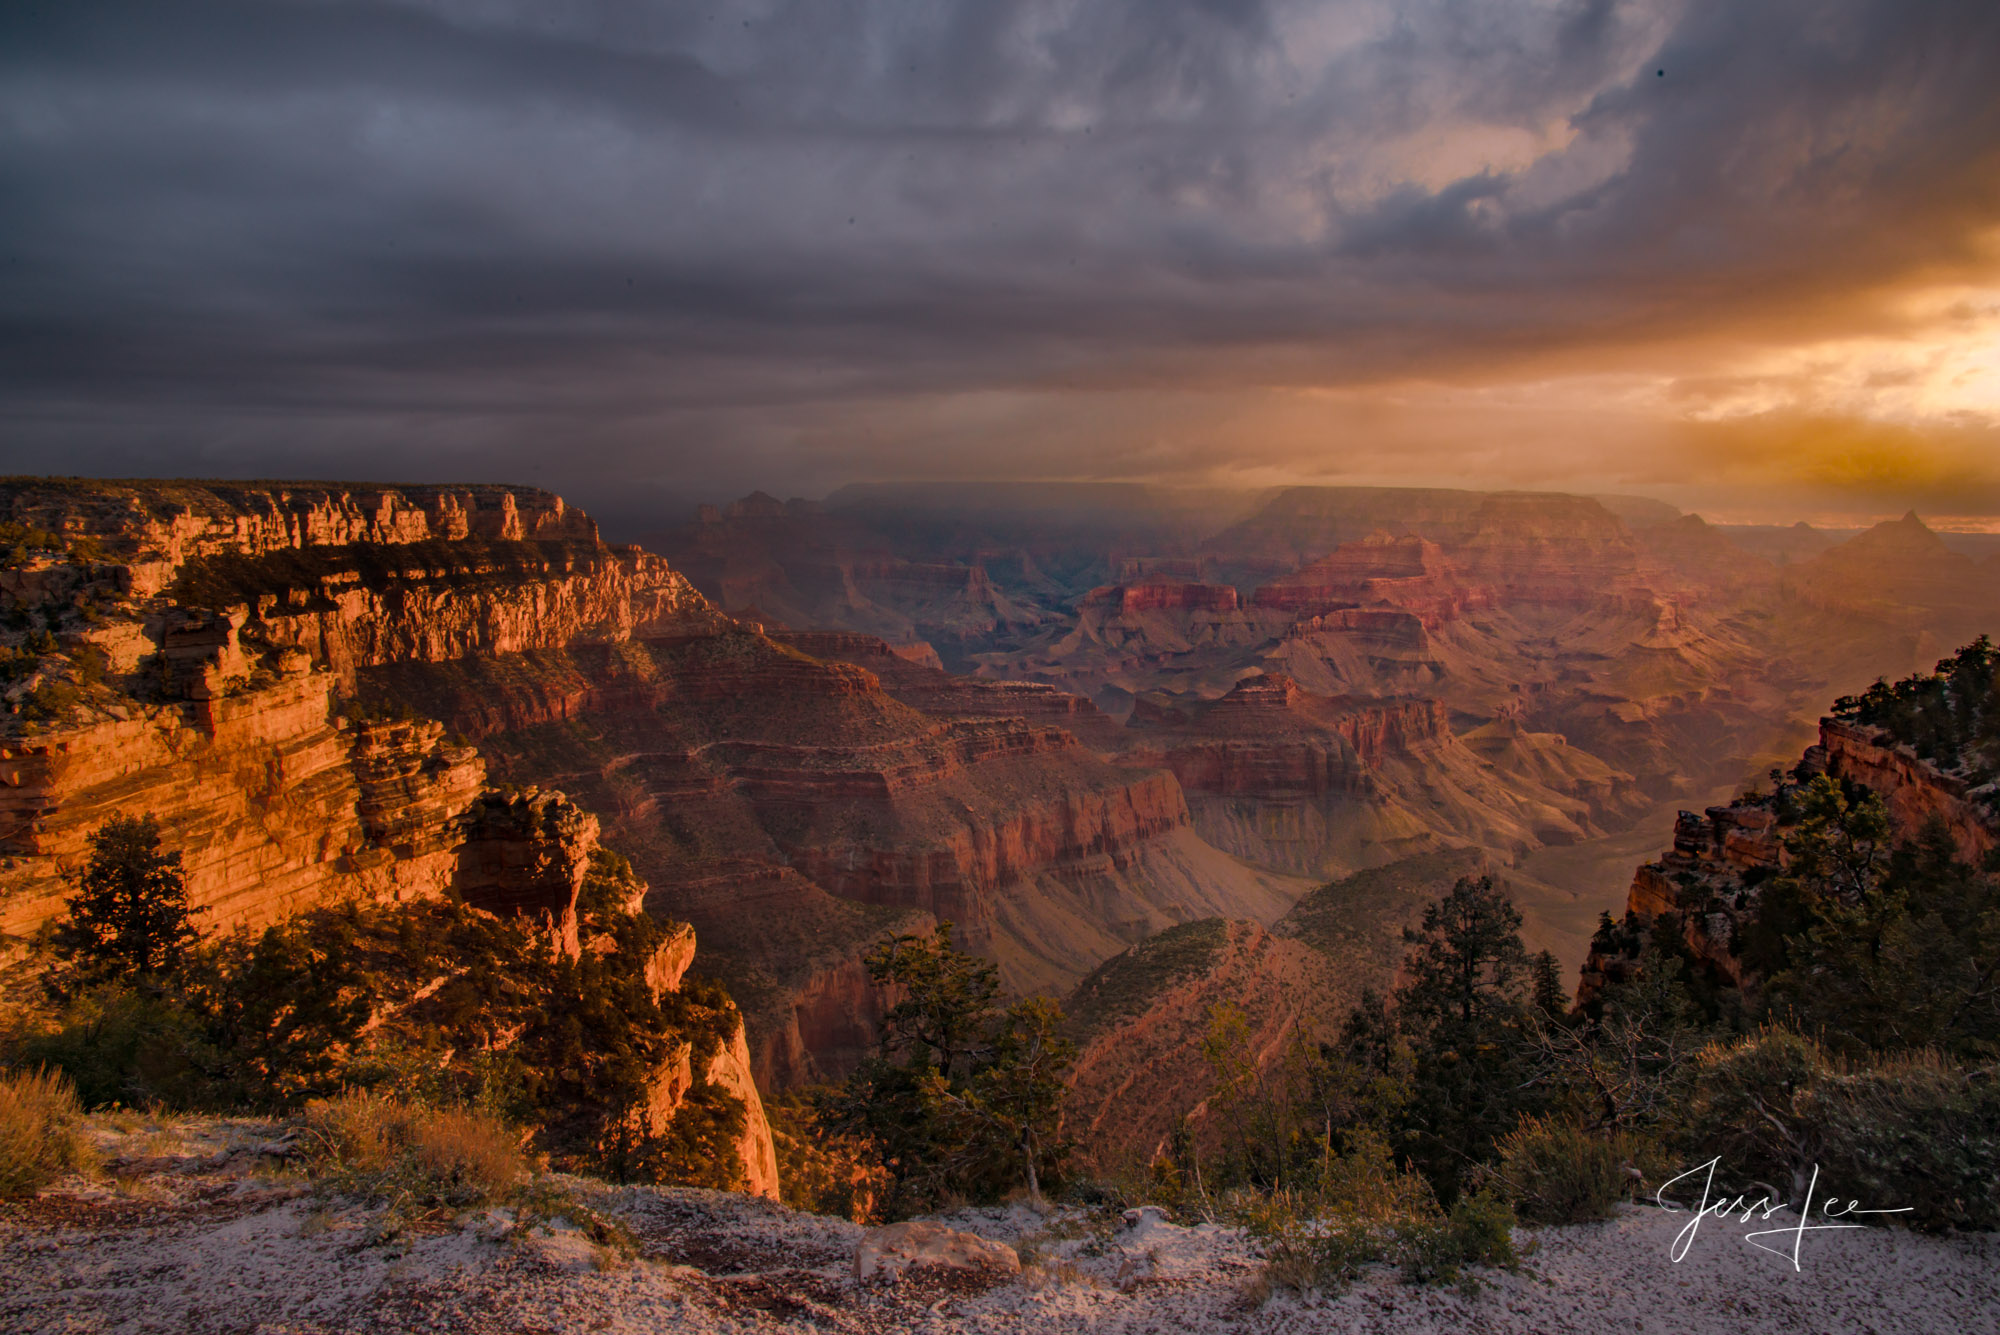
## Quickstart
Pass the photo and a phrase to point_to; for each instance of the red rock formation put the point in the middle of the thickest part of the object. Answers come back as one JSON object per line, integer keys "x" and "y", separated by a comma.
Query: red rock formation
{"x": 1162, "y": 595}
{"x": 1702, "y": 876}
{"x": 1898, "y": 570}
{"x": 154, "y": 528}
{"x": 218, "y": 723}
{"x": 925, "y": 686}
{"x": 1321, "y": 785}
{"x": 526, "y": 854}
{"x": 1914, "y": 790}
{"x": 273, "y": 804}
{"x": 1406, "y": 574}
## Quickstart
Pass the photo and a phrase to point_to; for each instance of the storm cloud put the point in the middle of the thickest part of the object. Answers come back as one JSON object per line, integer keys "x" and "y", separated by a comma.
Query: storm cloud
{"x": 806, "y": 242}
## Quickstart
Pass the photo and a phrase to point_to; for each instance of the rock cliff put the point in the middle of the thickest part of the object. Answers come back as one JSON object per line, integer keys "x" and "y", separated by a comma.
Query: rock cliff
{"x": 191, "y": 651}
{"x": 1709, "y": 880}
{"x": 1322, "y": 785}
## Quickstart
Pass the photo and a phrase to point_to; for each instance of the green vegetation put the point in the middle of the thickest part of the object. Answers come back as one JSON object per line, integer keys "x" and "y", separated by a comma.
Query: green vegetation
{"x": 820, "y": 1169}
{"x": 1559, "y": 1171}
{"x": 1913, "y": 1128}
{"x": 1950, "y": 717}
{"x": 130, "y": 918}
{"x": 432, "y": 1003}
{"x": 1905, "y": 957}
{"x": 972, "y": 1108}
{"x": 1127, "y": 982}
{"x": 1360, "y": 1208}
{"x": 41, "y": 1135}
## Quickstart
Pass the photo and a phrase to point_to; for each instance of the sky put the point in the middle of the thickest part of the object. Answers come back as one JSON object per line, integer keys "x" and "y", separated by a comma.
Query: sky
{"x": 1743, "y": 256}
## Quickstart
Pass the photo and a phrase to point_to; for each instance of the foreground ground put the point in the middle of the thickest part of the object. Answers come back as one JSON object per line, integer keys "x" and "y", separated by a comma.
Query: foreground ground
{"x": 198, "y": 1230}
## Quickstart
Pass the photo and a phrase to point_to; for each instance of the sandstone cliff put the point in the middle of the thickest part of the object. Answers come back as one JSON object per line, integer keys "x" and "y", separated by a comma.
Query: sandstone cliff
{"x": 1709, "y": 879}
{"x": 190, "y": 651}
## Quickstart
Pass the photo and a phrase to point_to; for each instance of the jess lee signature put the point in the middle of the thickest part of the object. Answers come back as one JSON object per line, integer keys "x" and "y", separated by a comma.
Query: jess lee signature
{"x": 1760, "y": 1210}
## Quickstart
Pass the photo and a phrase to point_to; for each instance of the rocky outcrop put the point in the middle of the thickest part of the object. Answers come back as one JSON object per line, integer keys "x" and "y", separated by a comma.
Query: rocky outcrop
{"x": 1322, "y": 785}
{"x": 1915, "y": 790}
{"x": 730, "y": 1071}
{"x": 1164, "y": 595}
{"x": 208, "y": 643}
{"x": 152, "y": 529}
{"x": 357, "y": 609}
{"x": 526, "y": 854}
{"x": 1709, "y": 879}
{"x": 274, "y": 804}
{"x": 1406, "y": 574}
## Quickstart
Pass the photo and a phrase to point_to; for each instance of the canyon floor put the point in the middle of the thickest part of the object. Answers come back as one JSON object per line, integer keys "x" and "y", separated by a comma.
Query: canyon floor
{"x": 197, "y": 1232}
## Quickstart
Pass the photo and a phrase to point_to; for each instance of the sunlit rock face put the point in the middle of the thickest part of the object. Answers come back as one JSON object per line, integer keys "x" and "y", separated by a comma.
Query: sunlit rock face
{"x": 388, "y": 649}
{"x": 1709, "y": 877}
{"x": 193, "y": 652}
{"x": 227, "y": 623}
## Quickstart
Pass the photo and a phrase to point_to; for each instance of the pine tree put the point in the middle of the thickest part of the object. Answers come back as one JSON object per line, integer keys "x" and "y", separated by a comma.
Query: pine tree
{"x": 1465, "y": 1010}
{"x": 973, "y": 1108}
{"x": 130, "y": 917}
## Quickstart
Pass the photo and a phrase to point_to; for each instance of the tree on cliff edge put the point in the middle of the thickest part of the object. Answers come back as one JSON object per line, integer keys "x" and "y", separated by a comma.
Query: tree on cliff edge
{"x": 130, "y": 917}
{"x": 973, "y": 1107}
{"x": 1467, "y": 1010}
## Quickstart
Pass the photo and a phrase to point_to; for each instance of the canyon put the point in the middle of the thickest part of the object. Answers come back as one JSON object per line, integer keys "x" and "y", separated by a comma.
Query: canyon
{"x": 1090, "y": 738}
{"x": 317, "y": 689}
{"x": 1525, "y": 673}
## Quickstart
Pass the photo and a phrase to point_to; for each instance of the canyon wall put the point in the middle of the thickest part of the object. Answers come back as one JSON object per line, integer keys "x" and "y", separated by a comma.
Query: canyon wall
{"x": 1709, "y": 878}
{"x": 192, "y": 652}
{"x": 754, "y": 784}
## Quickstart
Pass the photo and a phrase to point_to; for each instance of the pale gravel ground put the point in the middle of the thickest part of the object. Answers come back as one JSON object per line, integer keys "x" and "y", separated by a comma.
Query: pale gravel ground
{"x": 205, "y": 1242}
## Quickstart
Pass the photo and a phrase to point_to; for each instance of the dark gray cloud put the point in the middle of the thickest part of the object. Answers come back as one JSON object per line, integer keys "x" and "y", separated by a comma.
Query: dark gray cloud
{"x": 587, "y": 241}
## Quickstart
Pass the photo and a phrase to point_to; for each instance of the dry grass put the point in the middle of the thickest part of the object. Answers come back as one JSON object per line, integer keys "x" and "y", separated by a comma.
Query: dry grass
{"x": 1559, "y": 1173}
{"x": 420, "y": 1161}
{"x": 41, "y": 1132}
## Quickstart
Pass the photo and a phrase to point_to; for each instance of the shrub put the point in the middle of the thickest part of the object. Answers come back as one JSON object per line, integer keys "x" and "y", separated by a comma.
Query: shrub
{"x": 41, "y": 1134}
{"x": 819, "y": 1169}
{"x": 123, "y": 1045}
{"x": 1556, "y": 1172}
{"x": 419, "y": 1161}
{"x": 1912, "y": 1130}
{"x": 1364, "y": 1210}
{"x": 1478, "y": 1231}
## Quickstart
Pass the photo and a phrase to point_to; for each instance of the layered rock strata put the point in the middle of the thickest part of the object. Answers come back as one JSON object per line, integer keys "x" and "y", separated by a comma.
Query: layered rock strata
{"x": 1709, "y": 879}
{"x": 795, "y": 809}
{"x": 193, "y": 655}
{"x": 1320, "y": 785}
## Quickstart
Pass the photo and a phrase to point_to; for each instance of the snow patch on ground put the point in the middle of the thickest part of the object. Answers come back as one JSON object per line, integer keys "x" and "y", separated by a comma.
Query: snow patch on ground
{"x": 201, "y": 1231}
